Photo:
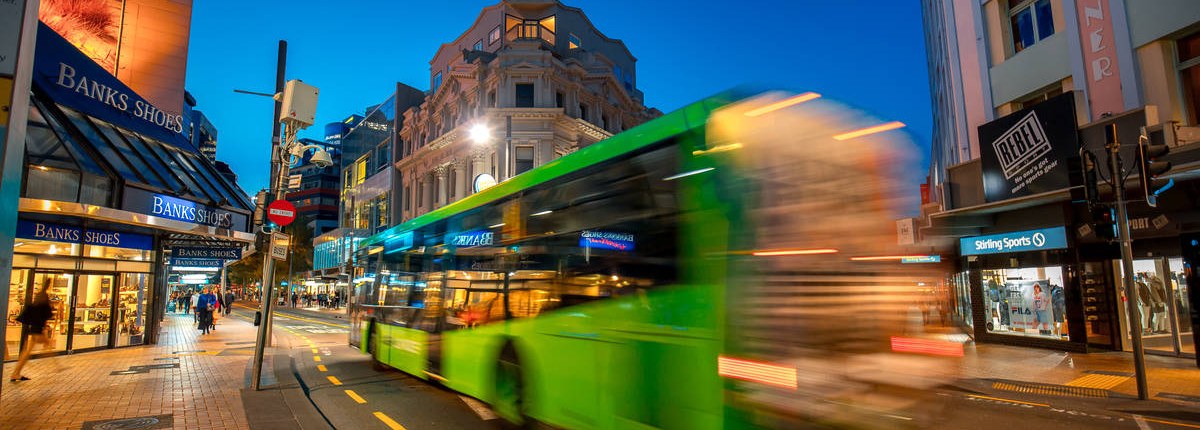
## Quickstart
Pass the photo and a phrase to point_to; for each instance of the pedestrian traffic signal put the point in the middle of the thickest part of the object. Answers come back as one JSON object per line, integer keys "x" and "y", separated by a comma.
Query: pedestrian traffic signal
{"x": 1104, "y": 222}
{"x": 1151, "y": 166}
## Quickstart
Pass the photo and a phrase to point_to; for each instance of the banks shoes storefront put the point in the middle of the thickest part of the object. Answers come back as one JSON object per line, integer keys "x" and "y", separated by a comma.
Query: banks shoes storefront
{"x": 1033, "y": 269}
{"x": 110, "y": 185}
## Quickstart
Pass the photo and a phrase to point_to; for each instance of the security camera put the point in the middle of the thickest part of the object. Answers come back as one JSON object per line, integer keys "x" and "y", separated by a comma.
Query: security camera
{"x": 321, "y": 159}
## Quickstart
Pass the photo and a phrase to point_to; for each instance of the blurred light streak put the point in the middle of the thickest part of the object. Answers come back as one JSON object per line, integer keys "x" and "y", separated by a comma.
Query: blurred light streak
{"x": 927, "y": 346}
{"x": 790, "y": 101}
{"x": 719, "y": 148}
{"x": 885, "y": 257}
{"x": 756, "y": 371}
{"x": 869, "y": 130}
{"x": 794, "y": 252}
{"x": 685, "y": 174}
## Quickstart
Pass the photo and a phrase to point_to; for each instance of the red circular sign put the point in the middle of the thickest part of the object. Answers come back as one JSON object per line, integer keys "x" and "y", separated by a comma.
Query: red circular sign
{"x": 281, "y": 212}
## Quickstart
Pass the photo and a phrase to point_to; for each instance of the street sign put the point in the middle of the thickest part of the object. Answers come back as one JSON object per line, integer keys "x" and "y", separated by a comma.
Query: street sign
{"x": 294, "y": 181}
{"x": 279, "y": 246}
{"x": 281, "y": 212}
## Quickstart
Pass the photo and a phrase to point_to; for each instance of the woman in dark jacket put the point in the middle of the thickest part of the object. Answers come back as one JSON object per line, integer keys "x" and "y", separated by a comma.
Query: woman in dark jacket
{"x": 34, "y": 316}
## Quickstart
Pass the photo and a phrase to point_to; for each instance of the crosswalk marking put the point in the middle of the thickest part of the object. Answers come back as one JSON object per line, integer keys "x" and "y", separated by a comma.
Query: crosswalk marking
{"x": 356, "y": 397}
{"x": 334, "y": 380}
{"x": 392, "y": 424}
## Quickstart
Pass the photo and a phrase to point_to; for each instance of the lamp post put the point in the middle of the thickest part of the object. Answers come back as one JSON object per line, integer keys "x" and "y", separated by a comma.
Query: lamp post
{"x": 299, "y": 102}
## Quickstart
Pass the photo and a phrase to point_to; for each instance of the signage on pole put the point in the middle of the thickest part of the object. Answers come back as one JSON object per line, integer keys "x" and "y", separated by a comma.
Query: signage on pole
{"x": 294, "y": 181}
{"x": 279, "y": 246}
{"x": 281, "y": 212}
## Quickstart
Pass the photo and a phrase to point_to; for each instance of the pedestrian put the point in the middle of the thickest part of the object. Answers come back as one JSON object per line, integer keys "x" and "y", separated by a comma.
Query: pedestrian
{"x": 205, "y": 303}
{"x": 229, "y": 299}
{"x": 295, "y": 299}
{"x": 185, "y": 301}
{"x": 195, "y": 299}
{"x": 34, "y": 316}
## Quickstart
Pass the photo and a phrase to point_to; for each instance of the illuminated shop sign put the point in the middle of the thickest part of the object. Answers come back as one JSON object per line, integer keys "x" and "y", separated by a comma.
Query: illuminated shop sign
{"x": 214, "y": 252}
{"x": 1030, "y": 240}
{"x": 1026, "y": 152}
{"x": 184, "y": 210}
{"x": 71, "y": 234}
{"x": 473, "y": 238}
{"x": 76, "y": 81}
{"x": 606, "y": 240}
{"x": 921, "y": 259}
{"x": 197, "y": 262}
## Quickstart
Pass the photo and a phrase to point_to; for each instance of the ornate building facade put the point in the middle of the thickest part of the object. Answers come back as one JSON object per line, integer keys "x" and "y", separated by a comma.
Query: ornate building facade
{"x": 529, "y": 82}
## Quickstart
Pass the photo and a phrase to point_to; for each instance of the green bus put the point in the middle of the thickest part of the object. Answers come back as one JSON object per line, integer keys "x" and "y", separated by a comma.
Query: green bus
{"x": 697, "y": 271}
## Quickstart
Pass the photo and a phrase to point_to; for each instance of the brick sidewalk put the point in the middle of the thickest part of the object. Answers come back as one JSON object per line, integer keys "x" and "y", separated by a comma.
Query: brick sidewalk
{"x": 197, "y": 388}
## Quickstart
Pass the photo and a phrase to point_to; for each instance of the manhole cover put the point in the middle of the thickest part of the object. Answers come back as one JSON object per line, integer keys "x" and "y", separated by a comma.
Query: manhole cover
{"x": 139, "y": 423}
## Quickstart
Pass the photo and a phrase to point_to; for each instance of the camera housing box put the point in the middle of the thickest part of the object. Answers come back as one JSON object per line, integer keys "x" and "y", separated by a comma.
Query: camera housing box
{"x": 299, "y": 104}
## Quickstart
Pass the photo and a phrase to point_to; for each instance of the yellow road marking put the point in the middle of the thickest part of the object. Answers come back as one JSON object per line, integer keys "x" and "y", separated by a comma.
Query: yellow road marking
{"x": 356, "y": 397}
{"x": 315, "y": 351}
{"x": 389, "y": 421}
{"x": 1103, "y": 382}
{"x": 334, "y": 380}
{"x": 1009, "y": 400}
{"x": 316, "y": 358}
{"x": 322, "y": 368}
{"x": 310, "y": 320}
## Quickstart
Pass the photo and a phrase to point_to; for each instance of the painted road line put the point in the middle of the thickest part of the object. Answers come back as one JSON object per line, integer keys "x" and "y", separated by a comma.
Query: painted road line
{"x": 485, "y": 413}
{"x": 1008, "y": 400}
{"x": 344, "y": 325}
{"x": 388, "y": 421}
{"x": 322, "y": 368}
{"x": 1095, "y": 380}
{"x": 356, "y": 397}
{"x": 314, "y": 350}
{"x": 334, "y": 380}
{"x": 317, "y": 358}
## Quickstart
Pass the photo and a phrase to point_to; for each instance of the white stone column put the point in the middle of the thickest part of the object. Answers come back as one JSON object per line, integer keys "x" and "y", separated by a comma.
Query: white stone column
{"x": 440, "y": 173}
{"x": 460, "y": 179}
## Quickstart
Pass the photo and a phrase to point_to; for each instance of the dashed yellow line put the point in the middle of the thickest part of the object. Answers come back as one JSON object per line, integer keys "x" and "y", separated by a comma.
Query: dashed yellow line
{"x": 334, "y": 380}
{"x": 322, "y": 368}
{"x": 1172, "y": 423}
{"x": 1095, "y": 380}
{"x": 314, "y": 350}
{"x": 317, "y": 358}
{"x": 356, "y": 397}
{"x": 392, "y": 424}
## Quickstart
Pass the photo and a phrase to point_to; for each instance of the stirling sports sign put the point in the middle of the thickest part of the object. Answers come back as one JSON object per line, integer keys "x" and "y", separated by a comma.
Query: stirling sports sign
{"x": 1026, "y": 153}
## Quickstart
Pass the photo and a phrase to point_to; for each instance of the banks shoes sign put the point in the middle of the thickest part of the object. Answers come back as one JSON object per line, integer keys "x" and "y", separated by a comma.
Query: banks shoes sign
{"x": 114, "y": 98}
{"x": 1025, "y": 153}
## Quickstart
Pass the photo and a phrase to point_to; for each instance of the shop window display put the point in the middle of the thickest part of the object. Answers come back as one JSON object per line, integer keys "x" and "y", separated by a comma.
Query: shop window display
{"x": 1025, "y": 302}
{"x": 1161, "y": 294}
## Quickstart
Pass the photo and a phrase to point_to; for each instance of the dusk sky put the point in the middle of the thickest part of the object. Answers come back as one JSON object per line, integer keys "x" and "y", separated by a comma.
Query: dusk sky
{"x": 869, "y": 54}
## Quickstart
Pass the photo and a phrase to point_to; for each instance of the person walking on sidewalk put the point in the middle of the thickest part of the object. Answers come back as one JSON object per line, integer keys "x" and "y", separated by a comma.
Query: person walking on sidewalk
{"x": 229, "y": 299}
{"x": 34, "y": 317}
{"x": 195, "y": 310}
{"x": 205, "y": 303}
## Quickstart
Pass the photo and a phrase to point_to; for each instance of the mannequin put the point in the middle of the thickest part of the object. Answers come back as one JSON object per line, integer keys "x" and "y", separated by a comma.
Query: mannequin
{"x": 1158, "y": 293}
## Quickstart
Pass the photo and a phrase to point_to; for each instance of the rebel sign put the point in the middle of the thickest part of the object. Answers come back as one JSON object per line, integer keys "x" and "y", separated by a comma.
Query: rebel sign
{"x": 281, "y": 212}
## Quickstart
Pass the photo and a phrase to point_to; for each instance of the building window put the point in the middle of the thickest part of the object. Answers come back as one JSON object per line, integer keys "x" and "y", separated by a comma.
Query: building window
{"x": 583, "y": 113}
{"x": 604, "y": 122}
{"x": 516, "y": 27}
{"x": 1189, "y": 75}
{"x": 1027, "y": 301}
{"x": 494, "y": 35}
{"x": 1030, "y": 21}
{"x": 573, "y": 41}
{"x": 492, "y": 98}
{"x": 1039, "y": 97}
{"x": 452, "y": 176}
{"x": 524, "y": 159}
{"x": 525, "y": 95}
{"x": 478, "y": 45}
{"x": 558, "y": 99}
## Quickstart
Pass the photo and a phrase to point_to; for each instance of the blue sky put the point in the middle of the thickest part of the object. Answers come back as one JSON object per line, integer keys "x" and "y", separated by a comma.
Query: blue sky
{"x": 866, "y": 53}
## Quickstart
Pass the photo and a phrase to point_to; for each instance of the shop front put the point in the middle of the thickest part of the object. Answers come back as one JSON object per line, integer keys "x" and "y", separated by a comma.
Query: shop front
{"x": 110, "y": 185}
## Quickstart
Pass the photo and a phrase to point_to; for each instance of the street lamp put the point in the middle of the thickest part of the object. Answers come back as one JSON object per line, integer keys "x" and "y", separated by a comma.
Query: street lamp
{"x": 482, "y": 135}
{"x": 299, "y": 105}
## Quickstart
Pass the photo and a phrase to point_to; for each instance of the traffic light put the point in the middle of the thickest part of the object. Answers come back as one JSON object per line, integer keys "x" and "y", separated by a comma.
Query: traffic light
{"x": 1104, "y": 222}
{"x": 1150, "y": 166}
{"x": 1091, "y": 184}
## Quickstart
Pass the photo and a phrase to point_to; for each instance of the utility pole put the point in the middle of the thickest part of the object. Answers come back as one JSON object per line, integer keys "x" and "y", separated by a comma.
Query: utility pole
{"x": 1130, "y": 290}
{"x": 264, "y": 331}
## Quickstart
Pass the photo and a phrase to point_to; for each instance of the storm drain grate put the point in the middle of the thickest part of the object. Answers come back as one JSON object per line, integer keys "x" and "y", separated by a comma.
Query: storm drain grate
{"x": 139, "y": 423}
{"x": 1049, "y": 389}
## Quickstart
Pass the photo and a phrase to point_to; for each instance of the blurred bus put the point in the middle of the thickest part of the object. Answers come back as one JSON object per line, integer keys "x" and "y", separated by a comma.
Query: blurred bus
{"x": 730, "y": 264}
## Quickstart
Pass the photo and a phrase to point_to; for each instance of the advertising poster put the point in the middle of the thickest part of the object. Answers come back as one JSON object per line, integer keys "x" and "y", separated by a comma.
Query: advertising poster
{"x": 1030, "y": 304}
{"x": 1026, "y": 152}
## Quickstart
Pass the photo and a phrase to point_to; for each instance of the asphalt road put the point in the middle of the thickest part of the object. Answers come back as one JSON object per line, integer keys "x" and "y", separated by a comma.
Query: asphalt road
{"x": 352, "y": 394}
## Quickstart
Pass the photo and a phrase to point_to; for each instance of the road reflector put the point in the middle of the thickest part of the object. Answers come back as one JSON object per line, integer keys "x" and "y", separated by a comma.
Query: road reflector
{"x": 388, "y": 421}
{"x": 356, "y": 397}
